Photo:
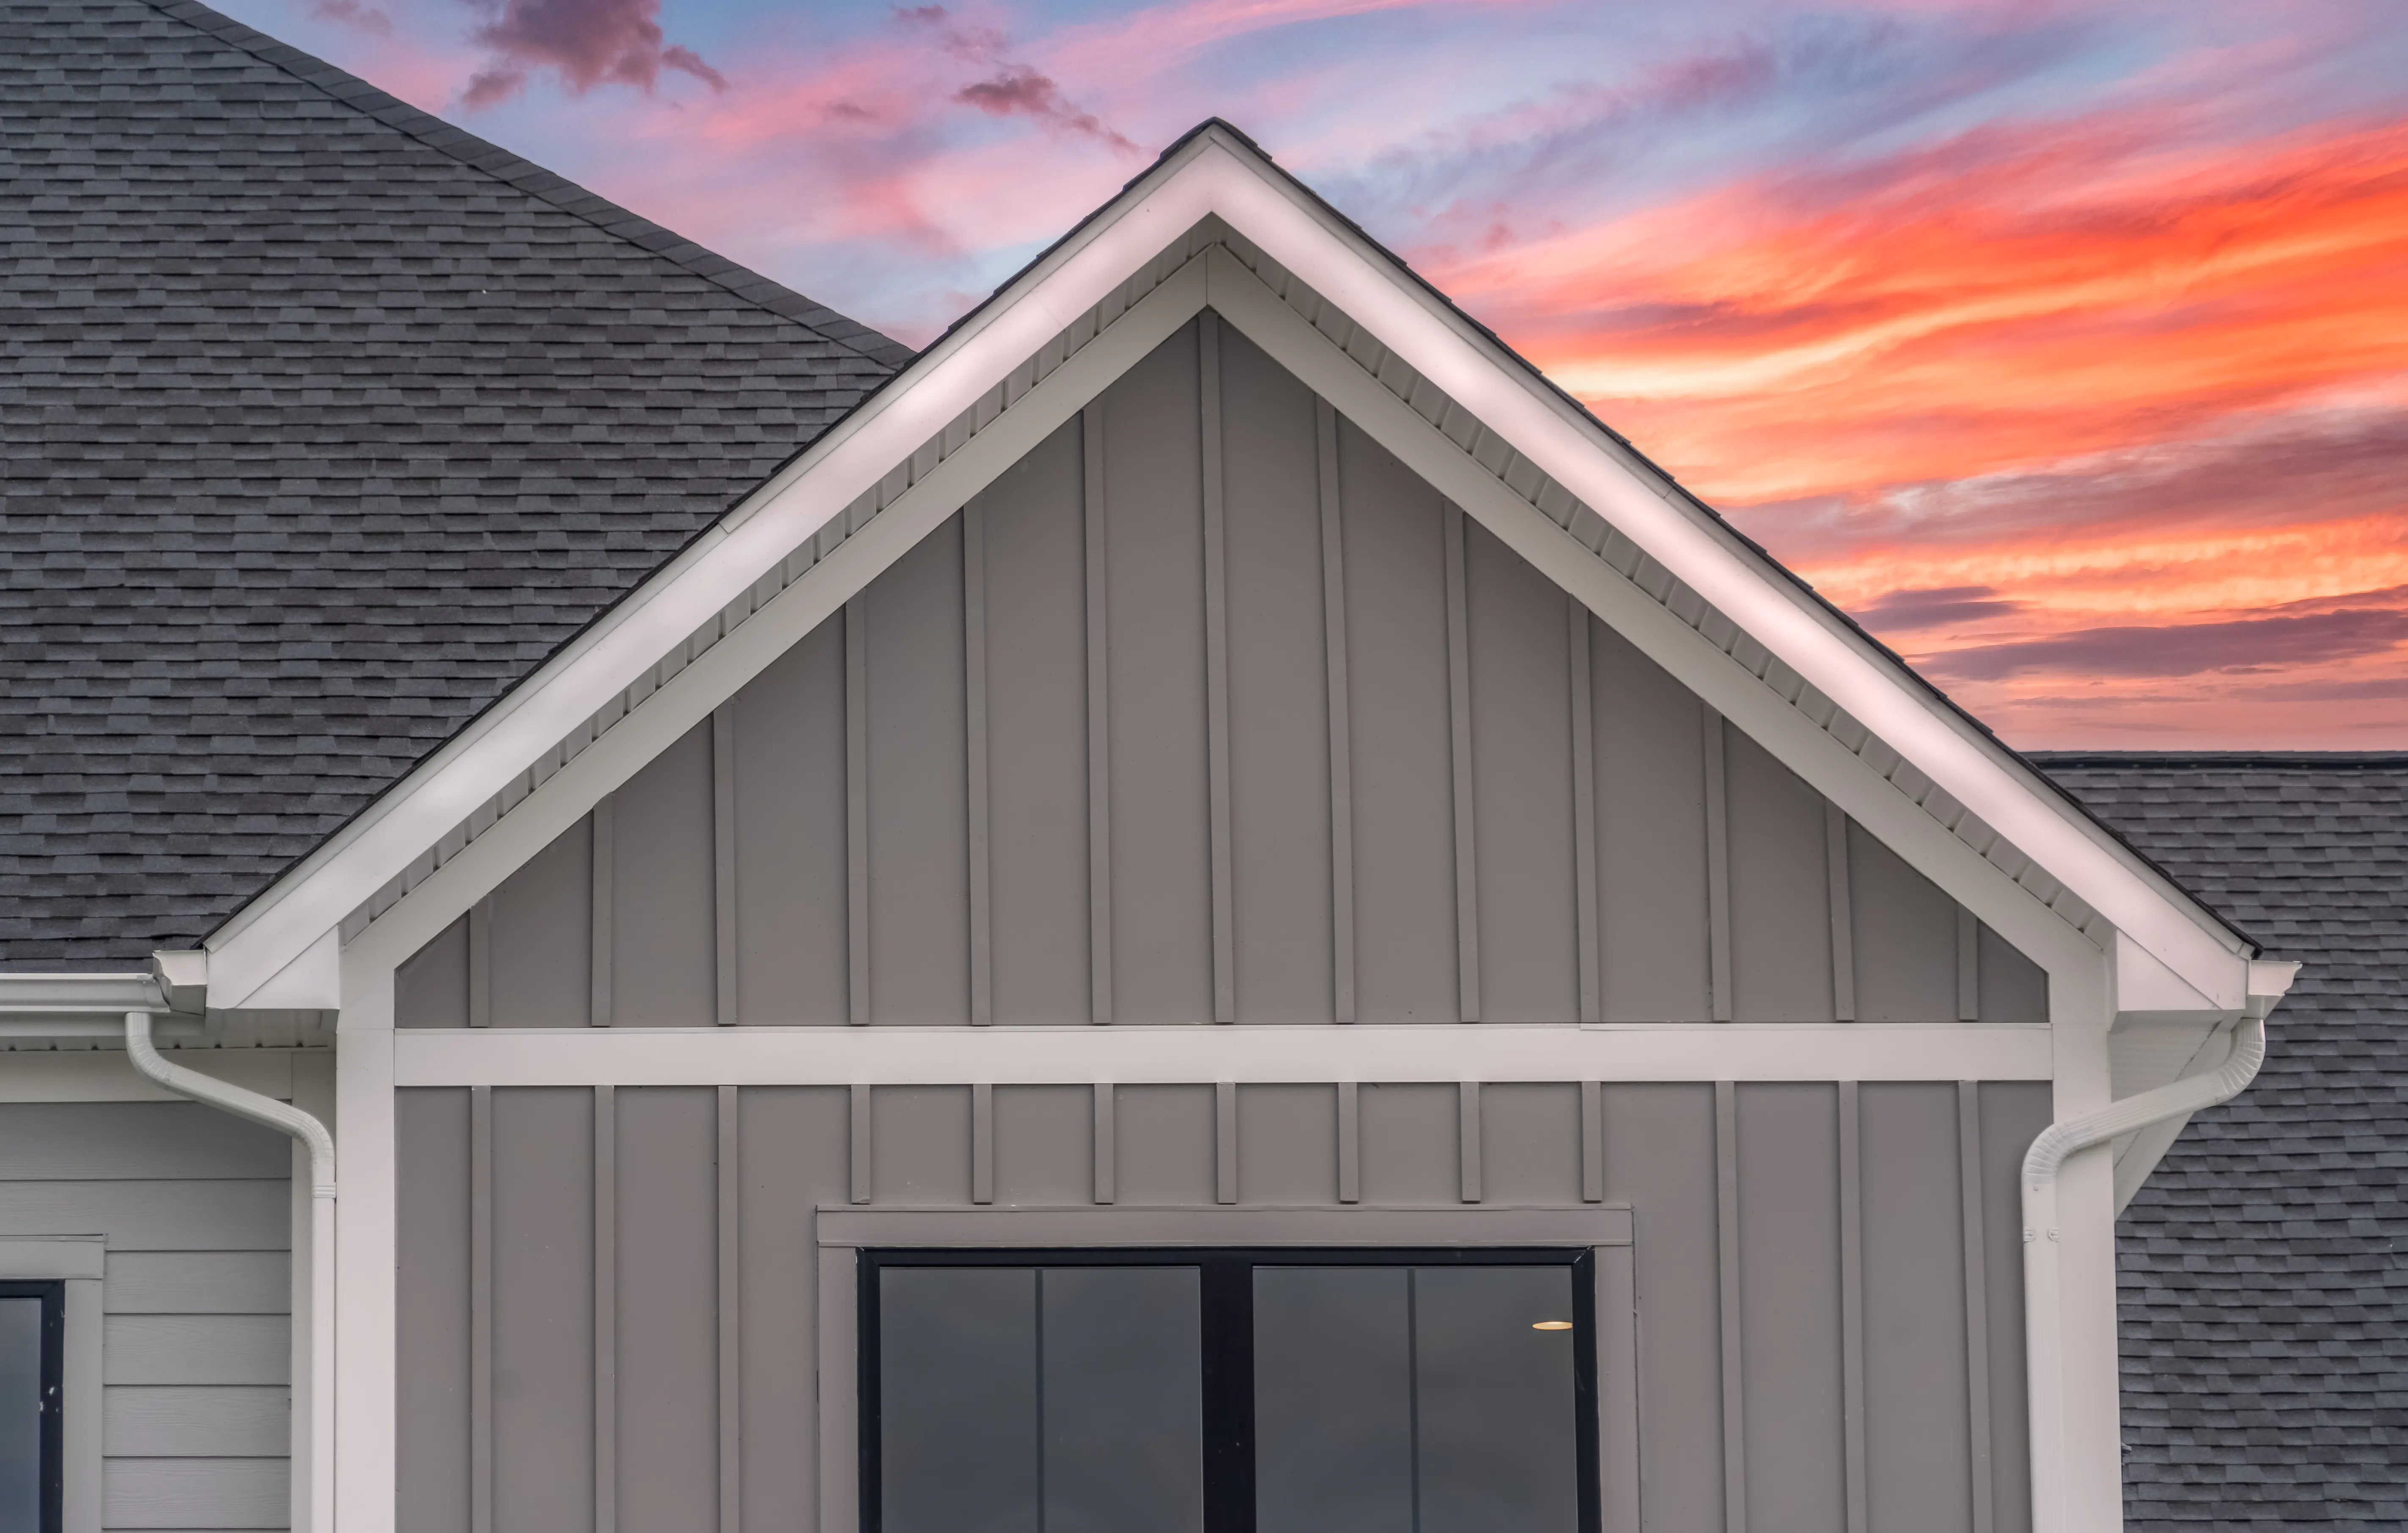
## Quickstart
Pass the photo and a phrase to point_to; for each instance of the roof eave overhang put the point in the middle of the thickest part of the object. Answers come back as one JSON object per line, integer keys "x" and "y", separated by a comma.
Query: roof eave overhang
{"x": 282, "y": 948}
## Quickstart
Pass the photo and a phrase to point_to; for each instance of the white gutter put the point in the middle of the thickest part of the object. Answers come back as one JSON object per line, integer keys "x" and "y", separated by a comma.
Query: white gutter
{"x": 313, "y": 1468}
{"x": 2043, "y": 1326}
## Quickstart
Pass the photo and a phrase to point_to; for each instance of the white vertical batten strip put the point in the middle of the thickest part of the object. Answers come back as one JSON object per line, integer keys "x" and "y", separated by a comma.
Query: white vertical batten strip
{"x": 856, "y": 812}
{"x": 1584, "y": 898}
{"x": 730, "y": 1311}
{"x": 1977, "y": 1302}
{"x": 1216, "y": 665}
{"x": 481, "y": 1309}
{"x": 1107, "y": 1151}
{"x": 722, "y": 864}
{"x": 1718, "y": 916}
{"x": 1467, "y": 852}
{"x": 605, "y": 1309}
{"x": 1843, "y": 924}
{"x": 974, "y": 747}
{"x": 1727, "y": 1267}
{"x": 1852, "y": 1311}
{"x": 604, "y": 832}
{"x": 1099, "y": 716}
{"x": 1341, "y": 733}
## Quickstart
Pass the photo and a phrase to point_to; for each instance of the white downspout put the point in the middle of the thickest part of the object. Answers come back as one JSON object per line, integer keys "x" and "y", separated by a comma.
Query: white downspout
{"x": 2043, "y": 1305}
{"x": 314, "y": 1475}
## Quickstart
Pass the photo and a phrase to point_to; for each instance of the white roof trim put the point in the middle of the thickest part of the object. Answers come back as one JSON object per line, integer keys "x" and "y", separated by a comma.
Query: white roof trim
{"x": 1213, "y": 174}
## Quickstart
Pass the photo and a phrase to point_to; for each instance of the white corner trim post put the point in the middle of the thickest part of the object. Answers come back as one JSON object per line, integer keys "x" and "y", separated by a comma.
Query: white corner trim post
{"x": 313, "y": 1480}
{"x": 2043, "y": 1301}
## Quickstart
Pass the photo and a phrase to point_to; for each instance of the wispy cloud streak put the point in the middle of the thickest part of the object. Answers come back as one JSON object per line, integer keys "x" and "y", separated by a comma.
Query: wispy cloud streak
{"x": 2065, "y": 345}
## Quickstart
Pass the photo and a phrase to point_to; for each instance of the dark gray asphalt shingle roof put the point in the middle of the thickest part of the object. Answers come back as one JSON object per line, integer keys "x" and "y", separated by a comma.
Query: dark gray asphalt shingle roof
{"x": 2263, "y": 1269}
{"x": 321, "y": 422}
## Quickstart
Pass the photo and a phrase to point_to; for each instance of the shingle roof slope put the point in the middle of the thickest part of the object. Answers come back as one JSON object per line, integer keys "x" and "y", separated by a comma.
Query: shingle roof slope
{"x": 321, "y": 423}
{"x": 2263, "y": 1269}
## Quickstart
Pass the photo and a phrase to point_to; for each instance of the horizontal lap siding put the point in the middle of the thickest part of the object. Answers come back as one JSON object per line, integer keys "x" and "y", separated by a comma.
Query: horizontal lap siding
{"x": 195, "y": 1207}
{"x": 666, "y": 1447}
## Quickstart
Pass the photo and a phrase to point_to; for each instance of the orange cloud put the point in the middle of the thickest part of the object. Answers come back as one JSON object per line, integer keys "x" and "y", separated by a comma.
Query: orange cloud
{"x": 1994, "y": 302}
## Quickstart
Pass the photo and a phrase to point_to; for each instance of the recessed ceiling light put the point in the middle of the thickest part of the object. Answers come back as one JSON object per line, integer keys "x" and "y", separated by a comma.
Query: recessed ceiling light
{"x": 1550, "y": 1326}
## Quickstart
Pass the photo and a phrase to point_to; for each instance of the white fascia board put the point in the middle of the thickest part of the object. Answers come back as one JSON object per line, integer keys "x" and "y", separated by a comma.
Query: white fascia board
{"x": 1212, "y": 175}
{"x": 1345, "y": 271}
{"x": 275, "y": 929}
{"x": 1081, "y": 1052}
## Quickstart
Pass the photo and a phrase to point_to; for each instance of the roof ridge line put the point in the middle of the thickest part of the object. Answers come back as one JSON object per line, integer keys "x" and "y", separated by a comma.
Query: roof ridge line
{"x": 524, "y": 174}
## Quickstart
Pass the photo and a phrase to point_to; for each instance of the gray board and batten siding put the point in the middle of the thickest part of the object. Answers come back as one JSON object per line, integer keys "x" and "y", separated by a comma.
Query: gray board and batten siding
{"x": 194, "y": 1209}
{"x": 1210, "y": 710}
{"x": 609, "y": 1297}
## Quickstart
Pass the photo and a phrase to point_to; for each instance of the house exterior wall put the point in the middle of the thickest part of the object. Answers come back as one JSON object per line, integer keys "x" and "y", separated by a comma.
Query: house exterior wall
{"x": 194, "y": 1207}
{"x": 1807, "y": 1256}
{"x": 1292, "y": 740}
{"x": 1207, "y": 710}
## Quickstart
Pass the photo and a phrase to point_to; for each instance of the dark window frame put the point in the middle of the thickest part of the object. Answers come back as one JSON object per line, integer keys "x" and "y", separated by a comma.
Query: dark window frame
{"x": 52, "y": 1291}
{"x": 1227, "y": 1293}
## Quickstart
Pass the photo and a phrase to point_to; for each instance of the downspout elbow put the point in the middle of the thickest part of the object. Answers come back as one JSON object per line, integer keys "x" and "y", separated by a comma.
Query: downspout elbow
{"x": 313, "y": 1458}
{"x": 281, "y": 1116}
{"x": 2059, "y": 1141}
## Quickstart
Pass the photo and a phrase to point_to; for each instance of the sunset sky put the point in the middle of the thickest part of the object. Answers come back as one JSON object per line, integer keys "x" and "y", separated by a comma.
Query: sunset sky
{"x": 2065, "y": 345}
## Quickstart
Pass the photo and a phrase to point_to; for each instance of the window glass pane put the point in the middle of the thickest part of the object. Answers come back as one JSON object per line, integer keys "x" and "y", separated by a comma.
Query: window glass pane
{"x": 1003, "y": 1390}
{"x": 20, "y": 1413}
{"x": 957, "y": 1399}
{"x": 1333, "y": 1400}
{"x": 1123, "y": 1400}
{"x": 1394, "y": 1398}
{"x": 1495, "y": 1398}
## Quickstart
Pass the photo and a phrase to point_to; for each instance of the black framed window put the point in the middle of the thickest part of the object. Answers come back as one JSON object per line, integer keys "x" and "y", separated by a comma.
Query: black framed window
{"x": 1255, "y": 1391}
{"x": 33, "y": 1329}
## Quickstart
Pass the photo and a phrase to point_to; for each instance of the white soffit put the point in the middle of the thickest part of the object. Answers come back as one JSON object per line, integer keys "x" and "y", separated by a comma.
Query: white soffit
{"x": 275, "y": 942}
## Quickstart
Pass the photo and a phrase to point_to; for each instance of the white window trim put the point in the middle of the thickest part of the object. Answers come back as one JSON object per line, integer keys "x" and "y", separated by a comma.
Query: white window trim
{"x": 840, "y": 1232}
{"x": 79, "y": 1261}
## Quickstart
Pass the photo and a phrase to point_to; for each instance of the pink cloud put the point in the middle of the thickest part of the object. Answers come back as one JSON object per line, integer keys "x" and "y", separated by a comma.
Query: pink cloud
{"x": 584, "y": 42}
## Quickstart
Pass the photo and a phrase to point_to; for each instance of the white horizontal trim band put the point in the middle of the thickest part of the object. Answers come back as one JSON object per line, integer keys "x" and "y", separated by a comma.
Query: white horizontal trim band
{"x": 666, "y": 1056}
